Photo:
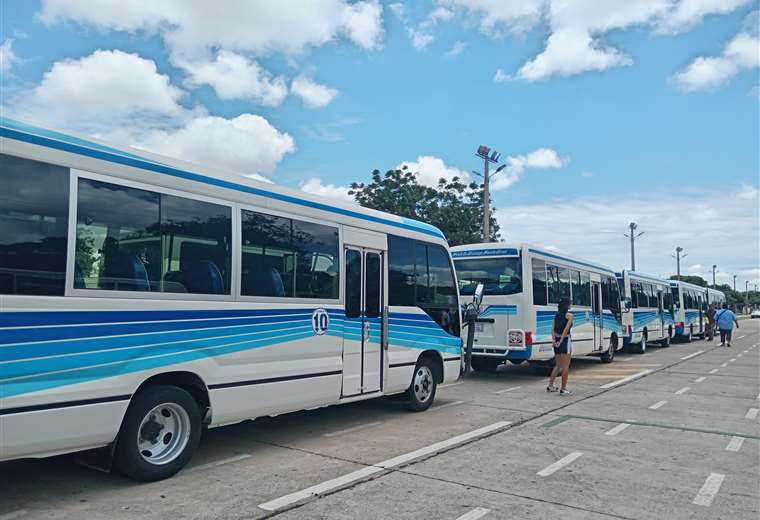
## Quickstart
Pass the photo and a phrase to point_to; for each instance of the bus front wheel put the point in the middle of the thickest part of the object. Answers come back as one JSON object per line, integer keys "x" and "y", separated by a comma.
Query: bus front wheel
{"x": 421, "y": 392}
{"x": 608, "y": 356}
{"x": 159, "y": 434}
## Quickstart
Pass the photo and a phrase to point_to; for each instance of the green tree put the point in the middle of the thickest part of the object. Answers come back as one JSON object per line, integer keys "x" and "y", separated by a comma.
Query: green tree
{"x": 696, "y": 280}
{"x": 452, "y": 206}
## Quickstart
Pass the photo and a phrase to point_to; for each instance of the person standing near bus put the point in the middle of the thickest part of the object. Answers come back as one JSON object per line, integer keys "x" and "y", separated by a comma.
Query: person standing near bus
{"x": 725, "y": 318}
{"x": 563, "y": 322}
{"x": 710, "y": 321}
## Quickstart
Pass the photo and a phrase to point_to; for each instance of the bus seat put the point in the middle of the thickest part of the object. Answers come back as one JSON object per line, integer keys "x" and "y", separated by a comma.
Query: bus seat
{"x": 264, "y": 282}
{"x": 174, "y": 282}
{"x": 203, "y": 277}
{"x": 124, "y": 272}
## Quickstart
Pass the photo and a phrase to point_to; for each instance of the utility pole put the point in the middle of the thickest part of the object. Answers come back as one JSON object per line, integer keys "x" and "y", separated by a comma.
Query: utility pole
{"x": 734, "y": 282}
{"x": 678, "y": 257}
{"x": 633, "y": 236}
{"x": 746, "y": 287}
{"x": 714, "y": 267}
{"x": 489, "y": 158}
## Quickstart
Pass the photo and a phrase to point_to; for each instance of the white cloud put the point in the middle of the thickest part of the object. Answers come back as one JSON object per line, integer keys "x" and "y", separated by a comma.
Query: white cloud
{"x": 587, "y": 174}
{"x": 246, "y": 144}
{"x": 581, "y": 226}
{"x": 420, "y": 39}
{"x": 501, "y": 76}
{"x": 123, "y": 98}
{"x": 686, "y": 14}
{"x": 233, "y": 76}
{"x": 430, "y": 169}
{"x": 706, "y": 73}
{"x": 495, "y": 17}
{"x": 312, "y": 94}
{"x": 457, "y": 49}
{"x": 192, "y": 27}
{"x": 106, "y": 88}
{"x": 398, "y": 9}
{"x": 314, "y": 186}
{"x": 7, "y": 56}
{"x": 421, "y": 35}
{"x": 517, "y": 165}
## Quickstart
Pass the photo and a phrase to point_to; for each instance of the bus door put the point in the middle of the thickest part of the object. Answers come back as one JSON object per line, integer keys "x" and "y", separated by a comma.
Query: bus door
{"x": 661, "y": 312}
{"x": 700, "y": 306}
{"x": 363, "y": 330}
{"x": 596, "y": 311}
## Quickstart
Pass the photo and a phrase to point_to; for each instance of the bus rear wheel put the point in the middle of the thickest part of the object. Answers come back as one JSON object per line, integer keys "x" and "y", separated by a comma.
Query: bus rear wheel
{"x": 690, "y": 336}
{"x": 159, "y": 434}
{"x": 641, "y": 346}
{"x": 666, "y": 342}
{"x": 484, "y": 364}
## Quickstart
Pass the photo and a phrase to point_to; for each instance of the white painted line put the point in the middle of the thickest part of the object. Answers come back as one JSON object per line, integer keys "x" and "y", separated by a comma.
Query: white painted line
{"x": 739, "y": 355}
{"x": 627, "y": 359}
{"x": 363, "y": 473}
{"x": 627, "y": 379}
{"x": 723, "y": 365}
{"x": 743, "y": 336}
{"x": 561, "y": 463}
{"x": 451, "y": 384}
{"x": 454, "y": 403}
{"x": 13, "y": 514}
{"x": 617, "y": 429}
{"x": 700, "y": 379}
{"x": 758, "y": 397}
{"x": 507, "y": 390}
{"x": 217, "y": 463}
{"x": 751, "y": 414}
{"x": 353, "y": 429}
{"x": 478, "y": 512}
{"x": 735, "y": 444}
{"x": 658, "y": 404}
{"x": 732, "y": 359}
{"x": 710, "y": 488}
{"x": 745, "y": 351}
{"x": 683, "y": 390}
{"x": 713, "y": 371}
{"x": 692, "y": 355}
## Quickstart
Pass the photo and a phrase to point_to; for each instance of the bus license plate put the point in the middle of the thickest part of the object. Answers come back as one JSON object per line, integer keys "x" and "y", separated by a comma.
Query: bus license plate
{"x": 515, "y": 339}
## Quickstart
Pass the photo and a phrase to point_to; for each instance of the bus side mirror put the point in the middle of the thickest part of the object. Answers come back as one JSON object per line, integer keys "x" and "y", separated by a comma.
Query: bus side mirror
{"x": 627, "y": 305}
{"x": 477, "y": 296}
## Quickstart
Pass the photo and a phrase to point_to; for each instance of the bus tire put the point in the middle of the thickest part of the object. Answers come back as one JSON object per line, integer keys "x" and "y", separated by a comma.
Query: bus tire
{"x": 159, "y": 434}
{"x": 641, "y": 346}
{"x": 666, "y": 342}
{"x": 421, "y": 392}
{"x": 609, "y": 356}
{"x": 690, "y": 336}
{"x": 484, "y": 364}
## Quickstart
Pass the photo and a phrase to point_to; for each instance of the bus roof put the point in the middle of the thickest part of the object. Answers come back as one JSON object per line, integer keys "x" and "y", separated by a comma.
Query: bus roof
{"x": 676, "y": 283}
{"x": 642, "y": 276}
{"x": 486, "y": 249}
{"x": 125, "y": 156}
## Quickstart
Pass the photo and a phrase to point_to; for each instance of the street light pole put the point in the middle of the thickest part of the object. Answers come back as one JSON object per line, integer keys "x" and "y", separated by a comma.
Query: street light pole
{"x": 633, "y": 236}
{"x": 489, "y": 158}
{"x": 734, "y": 282}
{"x": 714, "y": 267}
{"x": 678, "y": 257}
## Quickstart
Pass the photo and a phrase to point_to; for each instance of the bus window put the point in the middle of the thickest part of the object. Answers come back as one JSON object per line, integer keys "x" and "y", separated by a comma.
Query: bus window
{"x": 289, "y": 258}
{"x": 575, "y": 285}
{"x": 34, "y": 211}
{"x": 558, "y": 283}
{"x": 539, "y": 281}
{"x": 610, "y": 295}
{"x": 585, "y": 289}
{"x": 499, "y": 276}
{"x": 400, "y": 271}
{"x": 440, "y": 297}
{"x": 130, "y": 239}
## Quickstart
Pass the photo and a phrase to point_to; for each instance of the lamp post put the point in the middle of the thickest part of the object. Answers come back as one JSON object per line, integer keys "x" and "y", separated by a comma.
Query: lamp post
{"x": 734, "y": 282}
{"x": 678, "y": 257}
{"x": 489, "y": 157}
{"x": 633, "y": 236}
{"x": 714, "y": 267}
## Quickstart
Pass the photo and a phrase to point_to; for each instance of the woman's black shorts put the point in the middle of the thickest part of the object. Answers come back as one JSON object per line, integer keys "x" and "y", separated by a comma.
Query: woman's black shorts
{"x": 563, "y": 348}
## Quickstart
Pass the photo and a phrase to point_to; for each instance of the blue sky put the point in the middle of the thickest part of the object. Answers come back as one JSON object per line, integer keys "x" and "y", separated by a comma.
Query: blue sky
{"x": 608, "y": 112}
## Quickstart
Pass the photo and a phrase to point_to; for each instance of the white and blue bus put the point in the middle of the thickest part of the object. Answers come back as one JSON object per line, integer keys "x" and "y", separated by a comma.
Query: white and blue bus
{"x": 142, "y": 298}
{"x": 647, "y": 310}
{"x": 690, "y": 302}
{"x": 522, "y": 287}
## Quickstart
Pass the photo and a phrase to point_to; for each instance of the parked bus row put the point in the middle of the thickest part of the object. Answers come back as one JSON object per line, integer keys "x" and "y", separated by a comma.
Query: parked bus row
{"x": 143, "y": 299}
{"x": 523, "y": 285}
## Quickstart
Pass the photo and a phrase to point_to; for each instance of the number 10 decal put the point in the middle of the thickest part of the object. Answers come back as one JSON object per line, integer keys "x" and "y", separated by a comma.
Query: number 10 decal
{"x": 320, "y": 321}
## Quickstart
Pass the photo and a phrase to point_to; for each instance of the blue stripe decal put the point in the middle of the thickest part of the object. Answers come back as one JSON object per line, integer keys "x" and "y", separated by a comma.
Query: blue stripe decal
{"x": 99, "y": 152}
{"x": 68, "y": 347}
{"x": 499, "y": 310}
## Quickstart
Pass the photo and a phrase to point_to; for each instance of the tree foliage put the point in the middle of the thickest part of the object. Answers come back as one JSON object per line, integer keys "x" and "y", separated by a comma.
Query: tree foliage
{"x": 696, "y": 280}
{"x": 453, "y": 207}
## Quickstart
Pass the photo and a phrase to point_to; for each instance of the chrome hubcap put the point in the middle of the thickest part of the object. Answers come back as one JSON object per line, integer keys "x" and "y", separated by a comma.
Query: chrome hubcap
{"x": 163, "y": 433}
{"x": 423, "y": 383}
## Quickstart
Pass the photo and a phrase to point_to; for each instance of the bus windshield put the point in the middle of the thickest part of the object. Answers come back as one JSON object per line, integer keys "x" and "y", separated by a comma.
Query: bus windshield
{"x": 500, "y": 276}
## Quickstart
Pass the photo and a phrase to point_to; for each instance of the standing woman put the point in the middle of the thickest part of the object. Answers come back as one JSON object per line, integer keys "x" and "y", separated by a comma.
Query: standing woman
{"x": 563, "y": 322}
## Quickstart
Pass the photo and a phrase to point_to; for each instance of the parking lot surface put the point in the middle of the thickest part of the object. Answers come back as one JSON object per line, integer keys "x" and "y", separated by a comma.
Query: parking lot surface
{"x": 673, "y": 433}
